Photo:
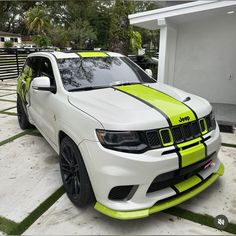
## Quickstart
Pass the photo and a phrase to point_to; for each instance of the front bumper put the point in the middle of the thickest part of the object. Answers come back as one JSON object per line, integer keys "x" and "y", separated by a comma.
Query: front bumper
{"x": 108, "y": 169}
{"x": 128, "y": 215}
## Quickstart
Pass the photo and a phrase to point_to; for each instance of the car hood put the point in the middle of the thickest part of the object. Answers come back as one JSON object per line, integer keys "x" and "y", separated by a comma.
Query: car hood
{"x": 117, "y": 110}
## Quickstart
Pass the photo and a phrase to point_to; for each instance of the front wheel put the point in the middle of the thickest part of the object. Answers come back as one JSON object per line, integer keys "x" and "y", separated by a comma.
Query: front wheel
{"x": 74, "y": 174}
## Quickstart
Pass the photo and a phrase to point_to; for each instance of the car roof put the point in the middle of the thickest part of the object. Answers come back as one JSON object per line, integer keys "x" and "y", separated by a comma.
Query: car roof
{"x": 78, "y": 54}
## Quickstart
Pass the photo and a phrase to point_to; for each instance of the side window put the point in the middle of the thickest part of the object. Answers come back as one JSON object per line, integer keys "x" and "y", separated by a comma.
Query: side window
{"x": 34, "y": 65}
{"x": 46, "y": 69}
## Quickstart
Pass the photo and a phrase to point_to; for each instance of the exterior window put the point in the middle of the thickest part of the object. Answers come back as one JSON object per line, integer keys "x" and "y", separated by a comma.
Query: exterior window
{"x": 46, "y": 69}
{"x": 2, "y": 39}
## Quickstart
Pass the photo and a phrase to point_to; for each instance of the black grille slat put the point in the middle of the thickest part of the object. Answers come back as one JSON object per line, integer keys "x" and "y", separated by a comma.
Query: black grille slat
{"x": 187, "y": 131}
{"x": 165, "y": 135}
{"x": 177, "y": 134}
{"x": 195, "y": 129}
{"x": 153, "y": 139}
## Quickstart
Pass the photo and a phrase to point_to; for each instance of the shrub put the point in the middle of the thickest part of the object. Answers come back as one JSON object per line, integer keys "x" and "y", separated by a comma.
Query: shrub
{"x": 8, "y": 44}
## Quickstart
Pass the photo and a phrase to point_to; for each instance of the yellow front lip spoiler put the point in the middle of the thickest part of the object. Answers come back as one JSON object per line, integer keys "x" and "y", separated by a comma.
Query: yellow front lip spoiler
{"x": 129, "y": 215}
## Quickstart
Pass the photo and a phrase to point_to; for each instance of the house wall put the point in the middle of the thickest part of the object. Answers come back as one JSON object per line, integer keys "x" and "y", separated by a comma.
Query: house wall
{"x": 205, "y": 58}
{"x": 15, "y": 44}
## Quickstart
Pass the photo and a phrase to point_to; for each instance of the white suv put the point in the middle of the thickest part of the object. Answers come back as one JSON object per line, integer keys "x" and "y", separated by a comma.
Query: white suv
{"x": 135, "y": 145}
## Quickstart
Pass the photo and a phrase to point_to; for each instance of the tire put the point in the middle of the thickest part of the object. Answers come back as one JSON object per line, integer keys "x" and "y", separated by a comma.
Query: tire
{"x": 74, "y": 174}
{"x": 22, "y": 117}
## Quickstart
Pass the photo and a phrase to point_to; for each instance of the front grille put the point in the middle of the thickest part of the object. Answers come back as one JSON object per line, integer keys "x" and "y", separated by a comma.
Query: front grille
{"x": 171, "y": 178}
{"x": 180, "y": 133}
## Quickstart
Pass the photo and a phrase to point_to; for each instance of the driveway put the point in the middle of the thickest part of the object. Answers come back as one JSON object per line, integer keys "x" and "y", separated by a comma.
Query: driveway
{"x": 33, "y": 202}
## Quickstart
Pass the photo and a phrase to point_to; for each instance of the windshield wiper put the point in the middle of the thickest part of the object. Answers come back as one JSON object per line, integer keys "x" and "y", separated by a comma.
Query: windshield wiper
{"x": 87, "y": 88}
{"x": 125, "y": 83}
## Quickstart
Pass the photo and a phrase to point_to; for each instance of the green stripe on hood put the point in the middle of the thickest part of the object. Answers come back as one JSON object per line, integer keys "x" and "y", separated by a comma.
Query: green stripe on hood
{"x": 173, "y": 109}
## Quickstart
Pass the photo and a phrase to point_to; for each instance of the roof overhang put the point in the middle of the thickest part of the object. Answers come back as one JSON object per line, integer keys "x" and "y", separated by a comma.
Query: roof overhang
{"x": 155, "y": 19}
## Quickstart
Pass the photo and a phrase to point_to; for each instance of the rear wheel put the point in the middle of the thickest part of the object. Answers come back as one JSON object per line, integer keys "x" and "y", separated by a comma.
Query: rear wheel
{"x": 74, "y": 174}
{"x": 22, "y": 117}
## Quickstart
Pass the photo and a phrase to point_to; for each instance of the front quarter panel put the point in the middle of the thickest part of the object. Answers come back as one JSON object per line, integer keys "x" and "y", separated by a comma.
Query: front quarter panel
{"x": 74, "y": 122}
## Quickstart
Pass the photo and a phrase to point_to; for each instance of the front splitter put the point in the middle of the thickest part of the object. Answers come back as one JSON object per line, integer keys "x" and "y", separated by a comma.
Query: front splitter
{"x": 173, "y": 201}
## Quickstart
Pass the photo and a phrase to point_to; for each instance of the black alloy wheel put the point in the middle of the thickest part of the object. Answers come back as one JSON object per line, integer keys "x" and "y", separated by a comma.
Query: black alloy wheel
{"x": 74, "y": 174}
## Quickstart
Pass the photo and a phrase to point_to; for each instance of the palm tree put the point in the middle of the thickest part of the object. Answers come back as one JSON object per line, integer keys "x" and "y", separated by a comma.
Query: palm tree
{"x": 37, "y": 20}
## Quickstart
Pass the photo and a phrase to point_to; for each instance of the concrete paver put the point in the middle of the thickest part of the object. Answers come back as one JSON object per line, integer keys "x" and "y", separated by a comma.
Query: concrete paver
{"x": 14, "y": 110}
{"x": 10, "y": 97}
{"x": 220, "y": 198}
{"x": 5, "y": 92}
{"x": 64, "y": 218}
{"x": 29, "y": 174}
{"x": 9, "y": 126}
{"x": 228, "y": 138}
{"x": 5, "y": 105}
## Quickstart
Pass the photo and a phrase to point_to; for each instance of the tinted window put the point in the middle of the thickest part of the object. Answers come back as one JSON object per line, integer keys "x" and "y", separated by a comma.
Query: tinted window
{"x": 100, "y": 71}
{"x": 46, "y": 68}
{"x": 34, "y": 65}
{"x": 31, "y": 67}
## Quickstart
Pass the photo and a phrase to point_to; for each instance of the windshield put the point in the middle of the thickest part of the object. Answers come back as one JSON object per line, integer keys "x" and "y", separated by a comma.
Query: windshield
{"x": 79, "y": 73}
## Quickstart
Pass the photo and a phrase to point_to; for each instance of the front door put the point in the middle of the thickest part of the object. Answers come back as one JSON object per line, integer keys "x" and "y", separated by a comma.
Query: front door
{"x": 42, "y": 103}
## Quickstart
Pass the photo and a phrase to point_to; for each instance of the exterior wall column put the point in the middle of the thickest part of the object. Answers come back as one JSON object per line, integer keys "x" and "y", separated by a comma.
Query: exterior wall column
{"x": 162, "y": 50}
{"x": 167, "y": 51}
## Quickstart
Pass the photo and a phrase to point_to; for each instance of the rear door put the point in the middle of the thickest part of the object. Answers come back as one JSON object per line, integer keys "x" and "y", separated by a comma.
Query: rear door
{"x": 29, "y": 72}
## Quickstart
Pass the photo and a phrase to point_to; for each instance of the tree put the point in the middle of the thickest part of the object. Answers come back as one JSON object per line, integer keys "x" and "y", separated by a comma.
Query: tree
{"x": 136, "y": 42}
{"x": 120, "y": 28}
{"x": 37, "y": 20}
{"x": 41, "y": 40}
{"x": 81, "y": 32}
{"x": 59, "y": 37}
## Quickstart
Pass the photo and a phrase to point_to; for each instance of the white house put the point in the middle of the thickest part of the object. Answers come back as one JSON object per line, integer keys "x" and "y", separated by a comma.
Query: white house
{"x": 197, "y": 49}
{"x": 6, "y": 36}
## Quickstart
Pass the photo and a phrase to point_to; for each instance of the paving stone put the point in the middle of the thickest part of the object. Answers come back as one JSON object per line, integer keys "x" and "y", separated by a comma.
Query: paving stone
{"x": 8, "y": 86}
{"x": 5, "y": 105}
{"x": 29, "y": 174}
{"x": 228, "y": 138}
{"x": 9, "y": 82}
{"x": 9, "y": 127}
{"x": 10, "y": 97}
{"x": 5, "y": 92}
{"x": 64, "y": 218}
{"x": 13, "y": 109}
{"x": 220, "y": 198}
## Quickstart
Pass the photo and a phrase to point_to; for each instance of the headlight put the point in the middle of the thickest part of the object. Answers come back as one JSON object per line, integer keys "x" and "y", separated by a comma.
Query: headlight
{"x": 125, "y": 141}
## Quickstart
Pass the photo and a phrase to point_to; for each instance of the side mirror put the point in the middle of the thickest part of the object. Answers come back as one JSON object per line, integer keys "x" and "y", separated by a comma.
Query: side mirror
{"x": 149, "y": 72}
{"x": 43, "y": 84}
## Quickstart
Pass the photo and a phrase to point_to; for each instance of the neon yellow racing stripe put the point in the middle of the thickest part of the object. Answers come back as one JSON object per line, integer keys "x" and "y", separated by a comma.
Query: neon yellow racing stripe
{"x": 193, "y": 154}
{"x": 93, "y": 54}
{"x": 171, "y": 107}
{"x": 188, "y": 183}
